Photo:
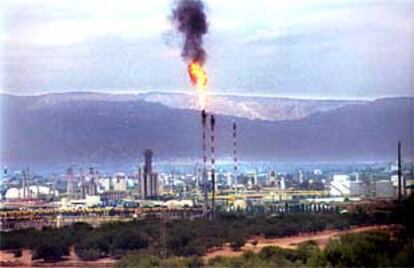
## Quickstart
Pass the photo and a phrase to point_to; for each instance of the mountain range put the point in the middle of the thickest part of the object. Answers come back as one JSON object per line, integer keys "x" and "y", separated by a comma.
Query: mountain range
{"x": 250, "y": 107}
{"x": 95, "y": 127}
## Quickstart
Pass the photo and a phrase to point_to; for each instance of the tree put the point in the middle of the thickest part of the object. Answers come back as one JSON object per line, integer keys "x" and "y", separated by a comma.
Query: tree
{"x": 125, "y": 240}
{"x": 51, "y": 249}
{"x": 17, "y": 253}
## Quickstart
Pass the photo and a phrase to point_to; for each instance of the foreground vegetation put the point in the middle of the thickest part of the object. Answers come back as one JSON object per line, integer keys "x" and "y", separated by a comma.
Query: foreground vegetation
{"x": 371, "y": 249}
{"x": 186, "y": 241}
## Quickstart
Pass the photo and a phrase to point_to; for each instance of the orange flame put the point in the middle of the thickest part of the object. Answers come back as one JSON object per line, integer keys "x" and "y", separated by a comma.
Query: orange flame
{"x": 198, "y": 78}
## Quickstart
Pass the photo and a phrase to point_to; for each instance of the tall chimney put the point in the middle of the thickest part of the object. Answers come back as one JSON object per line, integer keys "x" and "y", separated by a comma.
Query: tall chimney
{"x": 235, "y": 155}
{"x": 24, "y": 183}
{"x": 54, "y": 185}
{"x": 69, "y": 182}
{"x": 93, "y": 186}
{"x": 149, "y": 181}
{"x": 213, "y": 161}
{"x": 148, "y": 161}
{"x": 399, "y": 171}
{"x": 204, "y": 178}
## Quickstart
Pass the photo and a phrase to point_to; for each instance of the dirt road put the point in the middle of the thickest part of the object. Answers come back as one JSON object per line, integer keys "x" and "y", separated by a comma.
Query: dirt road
{"x": 291, "y": 242}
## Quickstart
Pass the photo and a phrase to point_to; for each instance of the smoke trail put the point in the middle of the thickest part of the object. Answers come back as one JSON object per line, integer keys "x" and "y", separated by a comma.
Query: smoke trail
{"x": 190, "y": 20}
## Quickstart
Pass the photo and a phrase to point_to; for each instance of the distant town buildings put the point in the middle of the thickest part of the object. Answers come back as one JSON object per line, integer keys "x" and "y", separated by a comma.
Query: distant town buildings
{"x": 256, "y": 186}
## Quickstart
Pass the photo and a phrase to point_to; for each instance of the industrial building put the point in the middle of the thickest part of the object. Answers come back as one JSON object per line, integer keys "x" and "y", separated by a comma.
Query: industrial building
{"x": 149, "y": 183}
{"x": 35, "y": 191}
{"x": 340, "y": 185}
{"x": 119, "y": 183}
{"x": 384, "y": 189}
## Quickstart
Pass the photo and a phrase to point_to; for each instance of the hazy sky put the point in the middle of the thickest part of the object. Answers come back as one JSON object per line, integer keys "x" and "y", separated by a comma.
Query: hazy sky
{"x": 331, "y": 49}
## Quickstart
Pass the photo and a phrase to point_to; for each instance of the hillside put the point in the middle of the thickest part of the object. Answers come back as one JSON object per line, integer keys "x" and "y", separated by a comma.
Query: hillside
{"x": 87, "y": 127}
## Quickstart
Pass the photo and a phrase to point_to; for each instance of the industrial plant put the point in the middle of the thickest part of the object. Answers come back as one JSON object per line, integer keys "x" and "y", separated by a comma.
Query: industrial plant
{"x": 73, "y": 195}
{"x": 192, "y": 133}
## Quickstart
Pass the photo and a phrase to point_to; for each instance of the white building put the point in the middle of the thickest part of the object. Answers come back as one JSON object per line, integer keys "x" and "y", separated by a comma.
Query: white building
{"x": 317, "y": 172}
{"x": 89, "y": 201}
{"x": 229, "y": 179}
{"x": 340, "y": 185}
{"x": 120, "y": 184}
{"x": 394, "y": 180}
{"x": 34, "y": 192}
{"x": 173, "y": 204}
{"x": 394, "y": 167}
{"x": 301, "y": 176}
{"x": 282, "y": 184}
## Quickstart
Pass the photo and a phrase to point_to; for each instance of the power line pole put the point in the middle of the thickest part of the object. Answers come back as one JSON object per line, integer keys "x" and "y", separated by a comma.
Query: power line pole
{"x": 163, "y": 235}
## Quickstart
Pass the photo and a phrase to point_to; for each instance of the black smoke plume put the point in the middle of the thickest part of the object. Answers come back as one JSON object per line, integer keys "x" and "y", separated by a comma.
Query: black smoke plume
{"x": 190, "y": 19}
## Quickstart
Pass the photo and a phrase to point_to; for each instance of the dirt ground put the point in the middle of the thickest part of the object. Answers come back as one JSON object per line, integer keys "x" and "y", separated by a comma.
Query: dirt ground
{"x": 290, "y": 242}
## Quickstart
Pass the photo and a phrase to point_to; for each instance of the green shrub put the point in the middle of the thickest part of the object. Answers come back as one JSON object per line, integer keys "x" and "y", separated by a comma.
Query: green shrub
{"x": 51, "y": 249}
{"x": 138, "y": 260}
{"x": 91, "y": 254}
{"x": 237, "y": 243}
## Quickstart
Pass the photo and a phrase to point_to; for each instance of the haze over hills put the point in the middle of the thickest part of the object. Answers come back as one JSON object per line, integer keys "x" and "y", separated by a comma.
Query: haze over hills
{"x": 251, "y": 107}
{"x": 74, "y": 127}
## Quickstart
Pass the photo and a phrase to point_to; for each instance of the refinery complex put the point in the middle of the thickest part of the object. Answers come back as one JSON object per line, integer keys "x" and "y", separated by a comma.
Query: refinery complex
{"x": 78, "y": 194}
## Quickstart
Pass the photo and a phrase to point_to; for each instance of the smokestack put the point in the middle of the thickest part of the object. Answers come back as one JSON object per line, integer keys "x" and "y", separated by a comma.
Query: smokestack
{"x": 190, "y": 20}
{"x": 149, "y": 182}
{"x": 24, "y": 183}
{"x": 197, "y": 176}
{"x": 204, "y": 179}
{"x": 93, "y": 186}
{"x": 54, "y": 185}
{"x": 399, "y": 171}
{"x": 235, "y": 155}
{"x": 148, "y": 161}
{"x": 69, "y": 182}
{"x": 213, "y": 171}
